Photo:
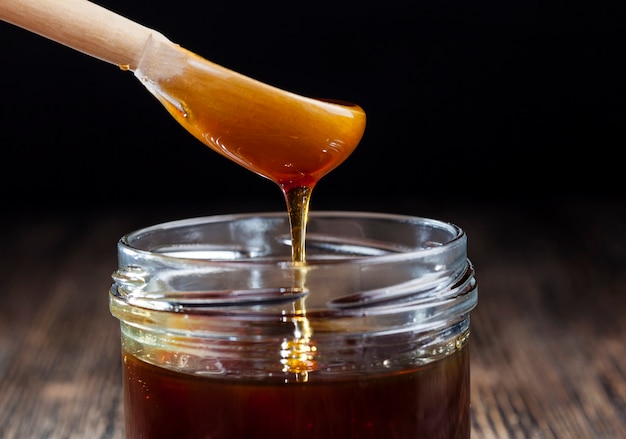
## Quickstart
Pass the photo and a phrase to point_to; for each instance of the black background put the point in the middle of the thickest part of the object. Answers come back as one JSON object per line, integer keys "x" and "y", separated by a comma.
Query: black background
{"x": 467, "y": 102}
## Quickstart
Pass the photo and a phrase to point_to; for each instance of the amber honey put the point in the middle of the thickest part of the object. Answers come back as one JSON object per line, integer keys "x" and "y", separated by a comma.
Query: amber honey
{"x": 426, "y": 402}
{"x": 289, "y": 139}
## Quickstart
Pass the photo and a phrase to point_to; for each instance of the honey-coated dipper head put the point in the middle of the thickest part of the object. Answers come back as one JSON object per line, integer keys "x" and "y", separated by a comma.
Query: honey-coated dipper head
{"x": 291, "y": 139}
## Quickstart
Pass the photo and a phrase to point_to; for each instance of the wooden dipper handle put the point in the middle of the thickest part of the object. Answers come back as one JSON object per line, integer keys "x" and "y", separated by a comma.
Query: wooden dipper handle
{"x": 83, "y": 26}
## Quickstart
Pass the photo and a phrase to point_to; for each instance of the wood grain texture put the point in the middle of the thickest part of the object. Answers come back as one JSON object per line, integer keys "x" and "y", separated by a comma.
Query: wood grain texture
{"x": 548, "y": 335}
{"x": 83, "y": 26}
{"x": 549, "y": 351}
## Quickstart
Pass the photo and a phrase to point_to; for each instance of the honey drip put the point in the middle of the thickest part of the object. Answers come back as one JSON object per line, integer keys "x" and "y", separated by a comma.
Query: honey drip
{"x": 298, "y": 354}
{"x": 291, "y": 140}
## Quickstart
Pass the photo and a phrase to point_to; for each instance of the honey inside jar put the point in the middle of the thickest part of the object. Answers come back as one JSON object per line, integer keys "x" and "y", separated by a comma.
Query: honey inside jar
{"x": 431, "y": 401}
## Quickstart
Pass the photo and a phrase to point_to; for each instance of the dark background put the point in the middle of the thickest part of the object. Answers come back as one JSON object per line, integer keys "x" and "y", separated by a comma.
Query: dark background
{"x": 467, "y": 102}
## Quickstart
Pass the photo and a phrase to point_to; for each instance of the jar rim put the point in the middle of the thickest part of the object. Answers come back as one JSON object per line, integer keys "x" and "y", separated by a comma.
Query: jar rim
{"x": 457, "y": 234}
{"x": 392, "y": 261}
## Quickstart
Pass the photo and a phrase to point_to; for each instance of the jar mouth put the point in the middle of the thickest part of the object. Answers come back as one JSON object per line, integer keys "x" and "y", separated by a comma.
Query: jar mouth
{"x": 240, "y": 264}
{"x": 352, "y": 234}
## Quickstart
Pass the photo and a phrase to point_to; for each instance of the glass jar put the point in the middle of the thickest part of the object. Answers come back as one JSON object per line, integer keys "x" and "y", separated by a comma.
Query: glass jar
{"x": 223, "y": 337}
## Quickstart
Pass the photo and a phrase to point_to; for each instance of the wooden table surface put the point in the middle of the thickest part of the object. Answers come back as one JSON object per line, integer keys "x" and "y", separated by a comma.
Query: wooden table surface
{"x": 548, "y": 335}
